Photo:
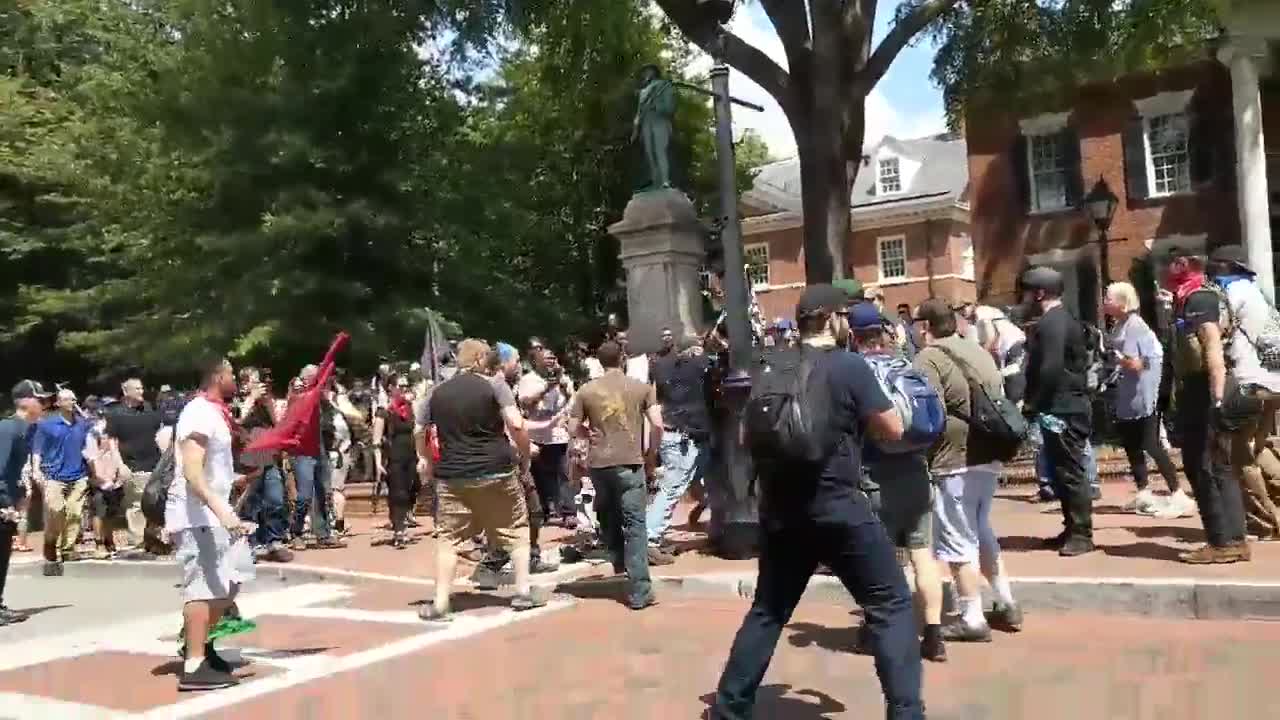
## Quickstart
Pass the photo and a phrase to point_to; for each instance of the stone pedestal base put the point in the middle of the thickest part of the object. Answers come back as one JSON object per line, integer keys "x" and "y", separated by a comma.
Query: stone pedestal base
{"x": 662, "y": 250}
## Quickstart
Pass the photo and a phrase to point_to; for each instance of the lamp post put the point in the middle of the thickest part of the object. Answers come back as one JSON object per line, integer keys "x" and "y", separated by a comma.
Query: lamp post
{"x": 1101, "y": 205}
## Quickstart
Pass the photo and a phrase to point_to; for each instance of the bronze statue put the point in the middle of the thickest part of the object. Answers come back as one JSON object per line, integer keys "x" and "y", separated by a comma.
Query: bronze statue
{"x": 656, "y": 107}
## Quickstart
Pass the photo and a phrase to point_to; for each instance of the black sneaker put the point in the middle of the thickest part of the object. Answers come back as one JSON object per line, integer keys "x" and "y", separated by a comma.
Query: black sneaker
{"x": 1076, "y": 546}
{"x": 205, "y": 678}
{"x": 53, "y": 569}
{"x": 932, "y": 647}
{"x": 958, "y": 631}
{"x": 215, "y": 660}
{"x": 1057, "y": 541}
{"x": 1006, "y": 617}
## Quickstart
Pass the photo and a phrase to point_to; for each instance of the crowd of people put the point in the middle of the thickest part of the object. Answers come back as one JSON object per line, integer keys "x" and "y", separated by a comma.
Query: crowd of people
{"x": 504, "y": 443}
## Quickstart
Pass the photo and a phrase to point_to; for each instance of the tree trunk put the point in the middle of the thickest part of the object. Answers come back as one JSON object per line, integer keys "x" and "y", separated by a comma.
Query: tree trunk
{"x": 830, "y": 156}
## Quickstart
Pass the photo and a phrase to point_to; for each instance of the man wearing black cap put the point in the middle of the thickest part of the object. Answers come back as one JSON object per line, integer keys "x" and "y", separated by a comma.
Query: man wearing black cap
{"x": 814, "y": 513}
{"x": 15, "y": 440}
{"x": 1057, "y": 396}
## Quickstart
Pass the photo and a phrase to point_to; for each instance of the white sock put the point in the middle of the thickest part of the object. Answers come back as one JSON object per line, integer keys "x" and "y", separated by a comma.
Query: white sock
{"x": 190, "y": 665}
{"x": 972, "y": 612}
{"x": 1004, "y": 592}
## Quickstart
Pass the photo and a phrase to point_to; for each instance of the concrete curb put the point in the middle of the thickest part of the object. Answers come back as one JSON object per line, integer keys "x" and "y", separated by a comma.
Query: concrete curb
{"x": 1177, "y": 598}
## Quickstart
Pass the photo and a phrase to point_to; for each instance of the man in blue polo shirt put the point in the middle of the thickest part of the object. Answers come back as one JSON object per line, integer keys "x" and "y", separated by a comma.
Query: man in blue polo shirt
{"x": 63, "y": 474}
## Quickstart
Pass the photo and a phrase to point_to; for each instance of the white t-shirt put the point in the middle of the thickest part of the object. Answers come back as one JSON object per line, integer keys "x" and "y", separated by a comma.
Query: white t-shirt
{"x": 200, "y": 417}
{"x": 553, "y": 404}
{"x": 1251, "y": 311}
{"x": 594, "y": 369}
{"x": 638, "y": 368}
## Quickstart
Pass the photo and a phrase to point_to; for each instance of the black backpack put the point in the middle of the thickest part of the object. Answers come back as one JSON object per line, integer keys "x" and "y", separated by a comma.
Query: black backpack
{"x": 995, "y": 424}
{"x": 787, "y": 417}
{"x": 155, "y": 495}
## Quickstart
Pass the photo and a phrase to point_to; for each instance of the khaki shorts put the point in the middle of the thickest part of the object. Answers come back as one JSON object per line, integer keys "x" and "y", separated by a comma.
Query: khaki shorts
{"x": 495, "y": 506}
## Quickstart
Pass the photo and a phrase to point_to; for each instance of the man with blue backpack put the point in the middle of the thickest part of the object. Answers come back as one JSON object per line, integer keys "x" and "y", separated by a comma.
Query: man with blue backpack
{"x": 901, "y": 469}
{"x": 809, "y": 410}
{"x": 964, "y": 464}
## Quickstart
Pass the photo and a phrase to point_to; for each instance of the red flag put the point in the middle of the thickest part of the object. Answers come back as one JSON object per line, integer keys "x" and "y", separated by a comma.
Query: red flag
{"x": 298, "y": 433}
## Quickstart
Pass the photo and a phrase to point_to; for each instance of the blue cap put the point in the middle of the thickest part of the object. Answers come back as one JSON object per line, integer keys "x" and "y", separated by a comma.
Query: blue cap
{"x": 507, "y": 352}
{"x": 865, "y": 316}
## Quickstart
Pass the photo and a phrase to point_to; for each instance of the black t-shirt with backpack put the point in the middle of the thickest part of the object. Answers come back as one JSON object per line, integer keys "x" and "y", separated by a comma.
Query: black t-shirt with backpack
{"x": 840, "y": 391}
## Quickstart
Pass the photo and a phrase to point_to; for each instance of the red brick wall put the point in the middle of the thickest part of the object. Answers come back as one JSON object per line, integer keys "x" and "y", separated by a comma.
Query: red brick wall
{"x": 1004, "y": 234}
{"x": 786, "y": 264}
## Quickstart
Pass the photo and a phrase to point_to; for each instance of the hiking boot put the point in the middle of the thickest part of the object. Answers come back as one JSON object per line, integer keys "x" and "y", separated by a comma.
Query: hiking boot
{"x": 657, "y": 557}
{"x": 330, "y": 543}
{"x": 1006, "y": 617}
{"x": 486, "y": 578}
{"x": 538, "y": 596}
{"x": 1211, "y": 555}
{"x": 959, "y": 631}
{"x": 1076, "y": 546}
{"x": 932, "y": 647}
{"x": 204, "y": 678}
{"x": 53, "y": 569}
{"x": 298, "y": 544}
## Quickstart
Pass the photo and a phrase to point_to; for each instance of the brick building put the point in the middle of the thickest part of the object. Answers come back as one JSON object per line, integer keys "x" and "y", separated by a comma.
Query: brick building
{"x": 1183, "y": 149}
{"x": 909, "y": 232}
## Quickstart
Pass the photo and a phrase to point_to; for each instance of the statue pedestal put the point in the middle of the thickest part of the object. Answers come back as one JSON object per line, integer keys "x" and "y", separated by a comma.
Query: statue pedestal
{"x": 662, "y": 251}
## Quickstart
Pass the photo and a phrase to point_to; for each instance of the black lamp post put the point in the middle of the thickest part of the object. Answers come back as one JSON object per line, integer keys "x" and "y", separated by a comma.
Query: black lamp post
{"x": 1101, "y": 204}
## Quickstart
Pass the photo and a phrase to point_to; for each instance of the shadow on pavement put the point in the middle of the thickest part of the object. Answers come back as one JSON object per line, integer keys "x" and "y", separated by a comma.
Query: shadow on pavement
{"x": 28, "y": 613}
{"x": 597, "y": 587}
{"x": 1181, "y": 534}
{"x": 462, "y": 600}
{"x": 1149, "y": 550}
{"x": 834, "y": 639}
{"x": 1022, "y": 543}
{"x": 780, "y": 701}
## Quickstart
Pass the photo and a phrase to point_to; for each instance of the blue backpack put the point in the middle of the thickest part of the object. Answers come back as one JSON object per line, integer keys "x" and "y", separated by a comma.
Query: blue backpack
{"x": 924, "y": 415}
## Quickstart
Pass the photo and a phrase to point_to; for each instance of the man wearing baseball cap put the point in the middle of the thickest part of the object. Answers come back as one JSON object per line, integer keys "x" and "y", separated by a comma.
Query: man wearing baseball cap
{"x": 15, "y": 435}
{"x": 813, "y": 513}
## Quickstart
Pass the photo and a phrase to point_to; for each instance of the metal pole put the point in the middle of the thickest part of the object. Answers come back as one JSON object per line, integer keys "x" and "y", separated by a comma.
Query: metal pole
{"x": 735, "y": 280}
{"x": 737, "y": 529}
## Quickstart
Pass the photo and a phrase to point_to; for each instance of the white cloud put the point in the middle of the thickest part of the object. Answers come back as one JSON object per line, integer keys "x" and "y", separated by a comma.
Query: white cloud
{"x": 772, "y": 125}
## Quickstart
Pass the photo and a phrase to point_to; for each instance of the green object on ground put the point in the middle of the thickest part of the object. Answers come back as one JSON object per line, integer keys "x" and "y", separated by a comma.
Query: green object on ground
{"x": 226, "y": 627}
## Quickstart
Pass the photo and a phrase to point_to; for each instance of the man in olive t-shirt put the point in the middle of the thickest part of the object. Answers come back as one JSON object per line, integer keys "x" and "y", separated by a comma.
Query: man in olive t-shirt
{"x": 614, "y": 408}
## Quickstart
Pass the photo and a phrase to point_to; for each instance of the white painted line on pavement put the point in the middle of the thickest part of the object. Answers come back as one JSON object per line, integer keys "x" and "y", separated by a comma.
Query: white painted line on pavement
{"x": 461, "y": 627}
{"x": 358, "y": 574}
{"x": 403, "y": 617}
{"x": 14, "y": 706}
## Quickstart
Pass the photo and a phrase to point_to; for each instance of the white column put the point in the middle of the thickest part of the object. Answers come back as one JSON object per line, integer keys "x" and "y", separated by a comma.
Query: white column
{"x": 1251, "y": 166}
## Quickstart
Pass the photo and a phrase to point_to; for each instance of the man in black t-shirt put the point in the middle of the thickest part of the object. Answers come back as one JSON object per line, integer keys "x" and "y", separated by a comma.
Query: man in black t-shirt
{"x": 479, "y": 473}
{"x": 816, "y": 514}
{"x": 679, "y": 379}
{"x": 1200, "y": 368}
{"x": 1056, "y": 397}
{"x": 134, "y": 424}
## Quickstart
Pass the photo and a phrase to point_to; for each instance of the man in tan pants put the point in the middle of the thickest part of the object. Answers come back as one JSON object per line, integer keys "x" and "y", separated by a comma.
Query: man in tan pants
{"x": 63, "y": 473}
{"x": 1257, "y": 459}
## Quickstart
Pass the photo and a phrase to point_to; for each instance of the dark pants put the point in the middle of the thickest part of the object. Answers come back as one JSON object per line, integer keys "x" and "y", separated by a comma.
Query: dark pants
{"x": 1206, "y": 459}
{"x": 621, "y": 499}
{"x": 265, "y": 506}
{"x": 548, "y": 470}
{"x": 403, "y": 486}
{"x": 7, "y": 531}
{"x": 1140, "y": 438}
{"x": 1071, "y": 482}
{"x": 858, "y": 552}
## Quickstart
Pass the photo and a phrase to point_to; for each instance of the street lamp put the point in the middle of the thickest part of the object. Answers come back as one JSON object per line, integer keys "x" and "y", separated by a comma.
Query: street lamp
{"x": 1101, "y": 204}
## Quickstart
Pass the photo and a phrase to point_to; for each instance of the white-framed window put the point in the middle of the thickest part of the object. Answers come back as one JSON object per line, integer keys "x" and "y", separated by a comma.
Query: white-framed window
{"x": 890, "y": 176}
{"x": 757, "y": 257}
{"x": 1168, "y": 139}
{"x": 1047, "y": 172}
{"x": 892, "y": 253}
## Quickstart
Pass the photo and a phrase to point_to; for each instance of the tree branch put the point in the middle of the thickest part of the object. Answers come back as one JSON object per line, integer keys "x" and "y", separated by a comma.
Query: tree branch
{"x": 718, "y": 42}
{"x": 906, "y": 28}
{"x": 791, "y": 22}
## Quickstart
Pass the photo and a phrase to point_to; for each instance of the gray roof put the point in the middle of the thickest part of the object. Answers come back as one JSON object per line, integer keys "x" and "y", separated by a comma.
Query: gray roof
{"x": 943, "y": 173}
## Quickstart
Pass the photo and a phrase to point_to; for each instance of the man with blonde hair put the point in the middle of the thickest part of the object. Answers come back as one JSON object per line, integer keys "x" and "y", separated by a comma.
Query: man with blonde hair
{"x": 1139, "y": 360}
{"x": 478, "y": 474}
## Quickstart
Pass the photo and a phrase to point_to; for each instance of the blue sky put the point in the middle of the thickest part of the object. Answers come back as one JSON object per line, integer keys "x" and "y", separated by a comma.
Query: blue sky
{"x": 905, "y": 104}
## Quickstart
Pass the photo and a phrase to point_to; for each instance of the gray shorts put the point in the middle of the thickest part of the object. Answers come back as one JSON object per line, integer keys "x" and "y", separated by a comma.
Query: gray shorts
{"x": 906, "y": 499}
{"x": 204, "y": 555}
{"x": 962, "y": 515}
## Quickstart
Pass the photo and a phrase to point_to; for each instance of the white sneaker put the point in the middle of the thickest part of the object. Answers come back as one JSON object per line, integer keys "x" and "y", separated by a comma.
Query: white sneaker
{"x": 1144, "y": 502}
{"x": 1179, "y": 505}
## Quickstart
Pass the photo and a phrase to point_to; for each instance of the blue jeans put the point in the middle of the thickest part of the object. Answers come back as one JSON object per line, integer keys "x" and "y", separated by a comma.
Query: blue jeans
{"x": 854, "y": 545}
{"x": 620, "y": 497}
{"x": 265, "y": 506}
{"x": 312, "y": 474}
{"x": 684, "y": 461}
